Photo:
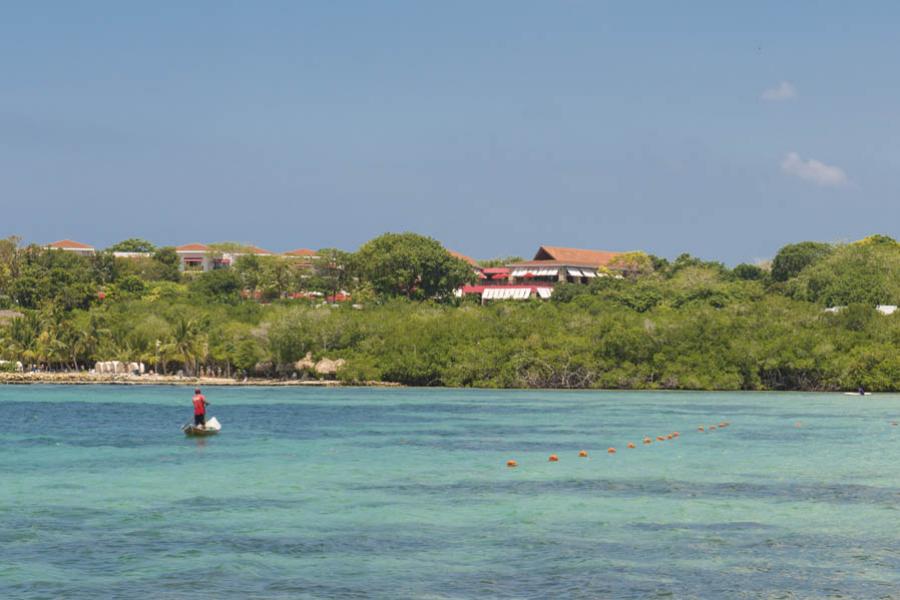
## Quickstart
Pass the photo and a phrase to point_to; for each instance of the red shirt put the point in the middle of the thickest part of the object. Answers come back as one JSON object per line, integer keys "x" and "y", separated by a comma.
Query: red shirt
{"x": 199, "y": 404}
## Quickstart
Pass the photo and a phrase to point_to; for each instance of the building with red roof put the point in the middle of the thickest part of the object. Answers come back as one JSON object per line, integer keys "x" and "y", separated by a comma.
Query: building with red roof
{"x": 72, "y": 246}
{"x": 553, "y": 264}
{"x": 194, "y": 257}
{"x": 302, "y": 253}
{"x": 464, "y": 258}
{"x": 202, "y": 257}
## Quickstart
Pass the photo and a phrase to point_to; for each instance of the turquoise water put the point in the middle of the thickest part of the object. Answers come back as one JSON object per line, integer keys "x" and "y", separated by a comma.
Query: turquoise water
{"x": 359, "y": 493}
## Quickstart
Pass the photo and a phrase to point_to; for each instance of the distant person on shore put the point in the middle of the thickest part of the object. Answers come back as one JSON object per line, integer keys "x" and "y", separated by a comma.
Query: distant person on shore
{"x": 200, "y": 405}
{"x": 862, "y": 391}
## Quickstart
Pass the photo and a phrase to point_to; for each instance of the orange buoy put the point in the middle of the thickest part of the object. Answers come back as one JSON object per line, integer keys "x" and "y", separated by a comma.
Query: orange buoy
{"x": 669, "y": 437}
{"x": 611, "y": 450}
{"x": 675, "y": 434}
{"x": 723, "y": 424}
{"x": 648, "y": 440}
{"x": 631, "y": 444}
{"x": 712, "y": 427}
{"x": 512, "y": 463}
{"x": 660, "y": 438}
{"x": 553, "y": 458}
{"x": 583, "y": 454}
{"x": 700, "y": 428}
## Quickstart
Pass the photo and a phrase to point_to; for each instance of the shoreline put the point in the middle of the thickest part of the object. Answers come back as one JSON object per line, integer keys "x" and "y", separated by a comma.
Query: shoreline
{"x": 84, "y": 378}
{"x": 174, "y": 380}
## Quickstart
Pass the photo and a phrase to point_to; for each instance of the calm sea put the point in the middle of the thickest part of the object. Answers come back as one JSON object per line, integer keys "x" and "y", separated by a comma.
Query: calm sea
{"x": 373, "y": 493}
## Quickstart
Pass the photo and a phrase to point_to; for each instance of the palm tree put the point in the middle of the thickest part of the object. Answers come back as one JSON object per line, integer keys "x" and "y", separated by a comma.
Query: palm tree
{"x": 187, "y": 342}
{"x": 22, "y": 337}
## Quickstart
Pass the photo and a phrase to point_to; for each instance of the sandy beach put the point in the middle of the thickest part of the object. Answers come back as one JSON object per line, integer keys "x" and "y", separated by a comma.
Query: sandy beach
{"x": 98, "y": 379}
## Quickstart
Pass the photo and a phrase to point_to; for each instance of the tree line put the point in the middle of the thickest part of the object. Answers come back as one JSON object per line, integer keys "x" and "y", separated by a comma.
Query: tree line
{"x": 684, "y": 323}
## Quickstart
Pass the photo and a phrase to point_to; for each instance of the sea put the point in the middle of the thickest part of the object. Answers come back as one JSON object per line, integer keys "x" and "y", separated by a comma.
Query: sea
{"x": 406, "y": 493}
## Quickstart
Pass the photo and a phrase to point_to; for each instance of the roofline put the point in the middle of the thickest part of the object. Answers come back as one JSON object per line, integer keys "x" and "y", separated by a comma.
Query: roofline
{"x": 552, "y": 263}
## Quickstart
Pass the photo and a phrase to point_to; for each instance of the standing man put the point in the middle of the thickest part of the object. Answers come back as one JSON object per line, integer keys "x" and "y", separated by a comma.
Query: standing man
{"x": 200, "y": 405}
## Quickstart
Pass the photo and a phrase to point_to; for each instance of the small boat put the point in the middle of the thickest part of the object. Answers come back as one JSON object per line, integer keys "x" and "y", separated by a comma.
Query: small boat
{"x": 212, "y": 428}
{"x": 857, "y": 394}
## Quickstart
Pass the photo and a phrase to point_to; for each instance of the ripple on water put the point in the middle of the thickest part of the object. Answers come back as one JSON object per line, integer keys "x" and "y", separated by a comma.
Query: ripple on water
{"x": 396, "y": 494}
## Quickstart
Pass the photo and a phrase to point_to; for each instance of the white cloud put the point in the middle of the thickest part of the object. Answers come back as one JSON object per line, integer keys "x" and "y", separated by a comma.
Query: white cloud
{"x": 783, "y": 91}
{"x": 813, "y": 170}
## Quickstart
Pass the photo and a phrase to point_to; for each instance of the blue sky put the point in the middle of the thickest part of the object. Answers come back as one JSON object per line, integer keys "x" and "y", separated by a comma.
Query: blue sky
{"x": 704, "y": 127}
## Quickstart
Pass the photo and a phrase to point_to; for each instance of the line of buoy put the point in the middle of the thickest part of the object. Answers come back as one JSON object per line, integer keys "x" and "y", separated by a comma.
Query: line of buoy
{"x": 647, "y": 440}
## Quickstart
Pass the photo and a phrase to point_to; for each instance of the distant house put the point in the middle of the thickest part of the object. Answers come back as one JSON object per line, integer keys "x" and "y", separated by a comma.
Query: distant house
{"x": 194, "y": 257}
{"x": 72, "y": 246}
{"x": 200, "y": 257}
{"x": 536, "y": 278}
{"x": 553, "y": 264}
{"x": 302, "y": 253}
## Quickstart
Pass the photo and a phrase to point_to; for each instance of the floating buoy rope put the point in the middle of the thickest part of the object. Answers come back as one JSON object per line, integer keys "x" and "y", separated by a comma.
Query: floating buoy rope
{"x": 647, "y": 440}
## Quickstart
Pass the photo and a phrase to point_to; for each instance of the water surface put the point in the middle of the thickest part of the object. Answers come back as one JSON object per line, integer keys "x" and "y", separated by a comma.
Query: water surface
{"x": 375, "y": 493}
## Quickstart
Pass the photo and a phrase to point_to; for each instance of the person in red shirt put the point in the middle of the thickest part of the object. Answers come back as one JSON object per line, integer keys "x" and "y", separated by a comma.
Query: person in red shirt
{"x": 200, "y": 405}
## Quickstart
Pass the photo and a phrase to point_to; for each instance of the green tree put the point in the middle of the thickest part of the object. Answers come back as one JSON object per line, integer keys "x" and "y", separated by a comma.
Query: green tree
{"x": 132, "y": 284}
{"x": 220, "y": 285}
{"x": 749, "y": 272}
{"x": 187, "y": 341}
{"x": 793, "y": 258}
{"x": 133, "y": 245}
{"x": 411, "y": 265}
{"x": 332, "y": 271}
{"x": 249, "y": 270}
{"x": 632, "y": 264}
{"x": 104, "y": 268}
{"x": 9, "y": 266}
{"x": 278, "y": 276}
{"x": 168, "y": 259}
{"x": 865, "y": 273}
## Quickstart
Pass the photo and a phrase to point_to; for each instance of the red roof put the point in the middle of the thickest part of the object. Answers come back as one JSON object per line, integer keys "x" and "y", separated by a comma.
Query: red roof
{"x": 496, "y": 271}
{"x": 69, "y": 245}
{"x": 192, "y": 248}
{"x": 575, "y": 256}
{"x": 302, "y": 252}
{"x": 463, "y": 257}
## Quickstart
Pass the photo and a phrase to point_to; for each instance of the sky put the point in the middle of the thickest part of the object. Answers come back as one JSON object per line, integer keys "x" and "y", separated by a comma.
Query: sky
{"x": 721, "y": 129}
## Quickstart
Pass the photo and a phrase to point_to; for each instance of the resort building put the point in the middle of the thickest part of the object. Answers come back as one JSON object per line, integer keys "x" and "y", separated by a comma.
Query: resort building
{"x": 200, "y": 257}
{"x": 537, "y": 277}
{"x": 552, "y": 264}
{"x": 305, "y": 253}
{"x": 194, "y": 257}
{"x": 72, "y": 246}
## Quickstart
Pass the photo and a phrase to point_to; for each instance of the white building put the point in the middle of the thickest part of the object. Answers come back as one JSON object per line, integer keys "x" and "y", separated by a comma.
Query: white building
{"x": 201, "y": 258}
